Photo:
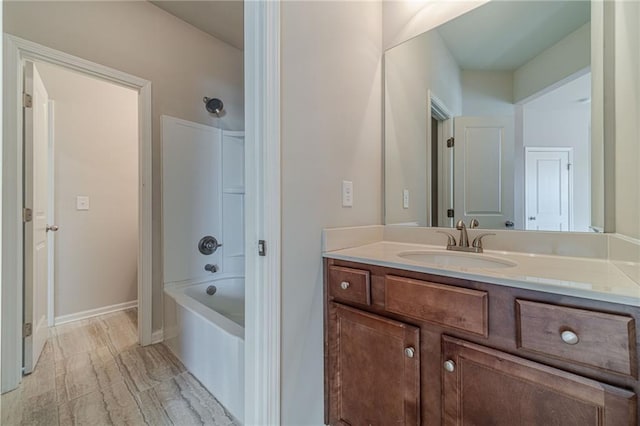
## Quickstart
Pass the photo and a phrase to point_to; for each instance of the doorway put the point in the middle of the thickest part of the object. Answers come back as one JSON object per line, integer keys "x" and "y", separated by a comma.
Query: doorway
{"x": 16, "y": 300}
{"x": 92, "y": 226}
{"x": 439, "y": 162}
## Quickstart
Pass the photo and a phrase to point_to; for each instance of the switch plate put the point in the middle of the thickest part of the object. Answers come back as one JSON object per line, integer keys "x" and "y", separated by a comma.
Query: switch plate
{"x": 82, "y": 202}
{"x": 405, "y": 198}
{"x": 347, "y": 193}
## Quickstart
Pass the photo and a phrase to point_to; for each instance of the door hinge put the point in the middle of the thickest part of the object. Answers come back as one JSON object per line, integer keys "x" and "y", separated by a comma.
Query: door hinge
{"x": 568, "y": 166}
{"x": 27, "y": 215}
{"x": 451, "y": 142}
{"x": 450, "y": 213}
{"x": 27, "y": 100}
{"x": 27, "y": 329}
{"x": 262, "y": 248}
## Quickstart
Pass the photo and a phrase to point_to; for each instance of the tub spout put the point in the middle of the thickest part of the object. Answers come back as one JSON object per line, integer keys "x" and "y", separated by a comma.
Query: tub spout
{"x": 211, "y": 268}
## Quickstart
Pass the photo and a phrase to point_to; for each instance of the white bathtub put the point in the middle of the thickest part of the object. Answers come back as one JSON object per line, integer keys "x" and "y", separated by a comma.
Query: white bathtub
{"x": 207, "y": 334}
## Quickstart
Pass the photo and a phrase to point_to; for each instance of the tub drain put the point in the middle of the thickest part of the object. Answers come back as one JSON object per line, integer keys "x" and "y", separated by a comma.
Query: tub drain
{"x": 211, "y": 290}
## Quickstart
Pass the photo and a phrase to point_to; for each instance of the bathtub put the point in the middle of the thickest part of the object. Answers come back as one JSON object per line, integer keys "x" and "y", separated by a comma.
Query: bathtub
{"x": 207, "y": 334}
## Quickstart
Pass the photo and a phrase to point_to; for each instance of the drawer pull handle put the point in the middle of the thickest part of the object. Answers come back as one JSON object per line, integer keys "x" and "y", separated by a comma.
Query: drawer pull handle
{"x": 344, "y": 285}
{"x": 450, "y": 366}
{"x": 409, "y": 352}
{"x": 569, "y": 337}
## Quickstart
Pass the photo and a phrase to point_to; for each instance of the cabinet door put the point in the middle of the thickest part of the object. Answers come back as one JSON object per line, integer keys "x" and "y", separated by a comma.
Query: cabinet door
{"x": 374, "y": 367}
{"x": 483, "y": 386}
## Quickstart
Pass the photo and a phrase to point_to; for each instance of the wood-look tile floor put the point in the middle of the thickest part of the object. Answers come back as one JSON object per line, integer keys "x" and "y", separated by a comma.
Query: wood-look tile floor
{"x": 93, "y": 372}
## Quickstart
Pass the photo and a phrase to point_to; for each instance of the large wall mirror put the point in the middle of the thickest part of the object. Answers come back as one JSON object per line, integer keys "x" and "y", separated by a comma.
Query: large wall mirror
{"x": 497, "y": 115}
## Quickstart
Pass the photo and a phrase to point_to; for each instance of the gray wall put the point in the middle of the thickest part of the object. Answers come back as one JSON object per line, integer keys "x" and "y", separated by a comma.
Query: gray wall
{"x": 183, "y": 63}
{"x": 331, "y": 125}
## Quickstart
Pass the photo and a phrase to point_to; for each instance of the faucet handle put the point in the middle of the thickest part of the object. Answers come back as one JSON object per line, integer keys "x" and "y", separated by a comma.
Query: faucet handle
{"x": 474, "y": 223}
{"x": 477, "y": 241}
{"x": 451, "y": 240}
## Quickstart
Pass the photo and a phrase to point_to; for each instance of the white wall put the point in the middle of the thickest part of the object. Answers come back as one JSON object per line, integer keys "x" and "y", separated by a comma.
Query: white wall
{"x": 183, "y": 63}
{"x": 96, "y": 155}
{"x": 487, "y": 93}
{"x": 331, "y": 130}
{"x": 411, "y": 70}
{"x": 191, "y": 198}
{"x": 627, "y": 108}
{"x": 565, "y": 58}
{"x": 566, "y": 127}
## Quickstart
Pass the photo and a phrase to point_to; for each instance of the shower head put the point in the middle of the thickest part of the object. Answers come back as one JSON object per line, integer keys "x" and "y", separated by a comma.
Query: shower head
{"x": 213, "y": 105}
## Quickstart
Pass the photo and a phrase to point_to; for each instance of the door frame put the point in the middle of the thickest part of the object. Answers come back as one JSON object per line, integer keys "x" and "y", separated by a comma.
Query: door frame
{"x": 15, "y": 52}
{"x": 436, "y": 108}
{"x": 263, "y": 213}
{"x": 569, "y": 151}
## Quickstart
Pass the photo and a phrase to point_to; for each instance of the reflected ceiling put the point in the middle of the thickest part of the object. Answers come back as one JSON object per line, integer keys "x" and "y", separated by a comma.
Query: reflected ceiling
{"x": 519, "y": 35}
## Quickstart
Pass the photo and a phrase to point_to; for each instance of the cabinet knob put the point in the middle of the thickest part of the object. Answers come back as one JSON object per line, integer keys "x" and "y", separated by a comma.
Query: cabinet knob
{"x": 450, "y": 366}
{"x": 569, "y": 337}
{"x": 409, "y": 352}
{"x": 344, "y": 285}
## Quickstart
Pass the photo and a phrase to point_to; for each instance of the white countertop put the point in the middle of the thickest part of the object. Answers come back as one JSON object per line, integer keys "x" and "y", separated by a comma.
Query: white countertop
{"x": 572, "y": 276}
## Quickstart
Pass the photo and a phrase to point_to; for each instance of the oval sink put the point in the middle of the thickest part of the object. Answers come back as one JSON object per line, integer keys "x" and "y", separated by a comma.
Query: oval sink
{"x": 465, "y": 260}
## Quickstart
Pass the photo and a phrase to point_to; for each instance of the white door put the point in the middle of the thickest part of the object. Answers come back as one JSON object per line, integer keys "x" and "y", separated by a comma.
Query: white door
{"x": 483, "y": 170}
{"x": 36, "y": 199}
{"x": 547, "y": 189}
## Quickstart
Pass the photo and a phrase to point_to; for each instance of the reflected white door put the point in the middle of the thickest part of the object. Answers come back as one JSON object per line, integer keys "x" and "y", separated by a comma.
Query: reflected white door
{"x": 483, "y": 163}
{"x": 547, "y": 188}
{"x": 36, "y": 199}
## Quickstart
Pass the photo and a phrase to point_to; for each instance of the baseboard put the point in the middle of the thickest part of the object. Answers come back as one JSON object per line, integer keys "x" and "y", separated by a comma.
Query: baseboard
{"x": 157, "y": 336}
{"x": 63, "y": 319}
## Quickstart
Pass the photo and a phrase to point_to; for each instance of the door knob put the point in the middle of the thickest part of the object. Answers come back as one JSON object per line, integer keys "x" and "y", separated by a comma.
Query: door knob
{"x": 52, "y": 228}
{"x": 509, "y": 224}
{"x": 532, "y": 218}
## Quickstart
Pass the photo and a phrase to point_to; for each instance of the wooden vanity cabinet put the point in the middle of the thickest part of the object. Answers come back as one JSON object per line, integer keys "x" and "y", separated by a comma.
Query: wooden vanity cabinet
{"x": 406, "y": 348}
{"x": 375, "y": 365}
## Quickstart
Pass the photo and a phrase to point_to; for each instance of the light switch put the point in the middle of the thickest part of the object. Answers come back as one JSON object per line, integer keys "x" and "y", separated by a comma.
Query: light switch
{"x": 405, "y": 198}
{"x": 82, "y": 202}
{"x": 347, "y": 193}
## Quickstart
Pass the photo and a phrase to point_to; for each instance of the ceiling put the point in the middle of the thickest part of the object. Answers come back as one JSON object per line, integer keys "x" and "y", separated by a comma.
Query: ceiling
{"x": 223, "y": 19}
{"x": 503, "y": 35}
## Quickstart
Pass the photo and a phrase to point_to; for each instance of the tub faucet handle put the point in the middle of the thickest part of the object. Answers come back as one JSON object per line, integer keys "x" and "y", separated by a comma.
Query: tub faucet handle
{"x": 211, "y": 268}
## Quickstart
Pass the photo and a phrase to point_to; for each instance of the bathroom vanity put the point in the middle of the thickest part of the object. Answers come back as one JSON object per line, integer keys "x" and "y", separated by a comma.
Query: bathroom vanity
{"x": 430, "y": 342}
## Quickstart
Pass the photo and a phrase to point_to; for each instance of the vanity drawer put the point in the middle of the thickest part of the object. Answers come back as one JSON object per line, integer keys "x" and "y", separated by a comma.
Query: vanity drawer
{"x": 597, "y": 339}
{"x": 456, "y": 307}
{"x": 349, "y": 285}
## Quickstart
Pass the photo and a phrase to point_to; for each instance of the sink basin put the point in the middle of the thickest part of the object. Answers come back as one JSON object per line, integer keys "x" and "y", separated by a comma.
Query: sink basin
{"x": 465, "y": 260}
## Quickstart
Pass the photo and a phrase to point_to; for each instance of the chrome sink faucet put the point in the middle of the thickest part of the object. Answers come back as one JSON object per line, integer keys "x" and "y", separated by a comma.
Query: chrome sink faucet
{"x": 463, "y": 245}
